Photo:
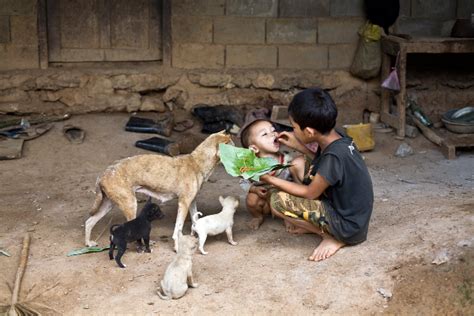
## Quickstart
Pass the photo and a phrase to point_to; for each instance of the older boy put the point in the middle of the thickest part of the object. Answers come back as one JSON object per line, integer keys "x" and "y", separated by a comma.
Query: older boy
{"x": 336, "y": 199}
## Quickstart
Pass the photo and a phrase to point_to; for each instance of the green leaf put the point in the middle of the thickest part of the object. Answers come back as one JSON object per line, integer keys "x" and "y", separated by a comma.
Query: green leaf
{"x": 242, "y": 162}
{"x": 84, "y": 250}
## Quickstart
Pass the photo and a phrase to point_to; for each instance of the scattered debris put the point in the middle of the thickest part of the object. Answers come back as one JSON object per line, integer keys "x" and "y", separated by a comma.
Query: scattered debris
{"x": 162, "y": 126}
{"x": 4, "y": 253}
{"x": 74, "y": 134}
{"x": 26, "y": 307}
{"x": 404, "y": 150}
{"x": 181, "y": 126}
{"x": 160, "y": 145}
{"x": 411, "y": 131}
{"x": 465, "y": 243}
{"x": 441, "y": 257}
{"x": 385, "y": 293}
{"x": 11, "y": 148}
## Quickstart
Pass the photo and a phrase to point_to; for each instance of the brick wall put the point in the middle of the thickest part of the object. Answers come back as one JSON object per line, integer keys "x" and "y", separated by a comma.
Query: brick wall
{"x": 18, "y": 34}
{"x": 271, "y": 34}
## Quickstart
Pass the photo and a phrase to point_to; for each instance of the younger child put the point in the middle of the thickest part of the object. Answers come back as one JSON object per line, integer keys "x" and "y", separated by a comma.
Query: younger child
{"x": 336, "y": 200}
{"x": 261, "y": 137}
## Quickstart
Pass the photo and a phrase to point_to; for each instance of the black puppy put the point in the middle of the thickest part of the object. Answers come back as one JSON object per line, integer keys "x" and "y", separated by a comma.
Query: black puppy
{"x": 136, "y": 229}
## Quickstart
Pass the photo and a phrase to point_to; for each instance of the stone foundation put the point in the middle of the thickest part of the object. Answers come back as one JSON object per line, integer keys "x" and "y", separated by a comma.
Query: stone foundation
{"x": 138, "y": 89}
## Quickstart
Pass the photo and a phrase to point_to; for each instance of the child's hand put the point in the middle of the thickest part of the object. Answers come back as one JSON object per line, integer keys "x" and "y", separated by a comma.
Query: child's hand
{"x": 261, "y": 192}
{"x": 289, "y": 139}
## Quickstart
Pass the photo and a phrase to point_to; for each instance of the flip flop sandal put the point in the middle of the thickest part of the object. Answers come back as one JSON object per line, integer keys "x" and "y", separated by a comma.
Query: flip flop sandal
{"x": 183, "y": 125}
{"x": 74, "y": 134}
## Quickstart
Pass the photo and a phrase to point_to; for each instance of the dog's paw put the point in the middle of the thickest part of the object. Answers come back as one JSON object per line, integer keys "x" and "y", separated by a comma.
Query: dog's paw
{"x": 233, "y": 243}
{"x": 194, "y": 285}
{"x": 91, "y": 244}
{"x": 203, "y": 252}
{"x": 148, "y": 250}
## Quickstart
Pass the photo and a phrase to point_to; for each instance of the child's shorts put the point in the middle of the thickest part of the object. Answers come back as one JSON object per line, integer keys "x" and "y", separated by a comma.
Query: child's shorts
{"x": 311, "y": 211}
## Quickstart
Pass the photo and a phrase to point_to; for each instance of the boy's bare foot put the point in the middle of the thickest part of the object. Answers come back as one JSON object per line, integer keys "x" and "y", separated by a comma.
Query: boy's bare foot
{"x": 255, "y": 223}
{"x": 326, "y": 248}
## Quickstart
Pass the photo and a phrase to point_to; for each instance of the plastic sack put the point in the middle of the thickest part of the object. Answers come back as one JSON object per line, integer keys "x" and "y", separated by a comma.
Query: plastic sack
{"x": 362, "y": 135}
{"x": 392, "y": 82}
{"x": 368, "y": 56}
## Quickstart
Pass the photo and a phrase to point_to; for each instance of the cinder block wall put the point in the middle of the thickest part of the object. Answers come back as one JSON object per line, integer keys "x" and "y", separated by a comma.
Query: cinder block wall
{"x": 18, "y": 34}
{"x": 270, "y": 34}
{"x": 431, "y": 17}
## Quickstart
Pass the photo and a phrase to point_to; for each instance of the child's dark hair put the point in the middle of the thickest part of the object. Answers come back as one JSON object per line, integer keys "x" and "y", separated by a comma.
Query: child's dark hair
{"x": 314, "y": 108}
{"x": 245, "y": 133}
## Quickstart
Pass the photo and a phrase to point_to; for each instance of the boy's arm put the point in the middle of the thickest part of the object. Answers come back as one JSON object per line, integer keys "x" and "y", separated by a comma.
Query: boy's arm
{"x": 312, "y": 191}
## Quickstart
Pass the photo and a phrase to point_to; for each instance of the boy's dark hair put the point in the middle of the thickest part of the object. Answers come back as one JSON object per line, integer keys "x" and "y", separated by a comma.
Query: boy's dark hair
{"x": 313, "y": 108}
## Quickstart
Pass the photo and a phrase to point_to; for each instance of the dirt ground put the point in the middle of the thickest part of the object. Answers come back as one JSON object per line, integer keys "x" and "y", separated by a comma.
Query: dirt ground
{"x": 424, "y": 207}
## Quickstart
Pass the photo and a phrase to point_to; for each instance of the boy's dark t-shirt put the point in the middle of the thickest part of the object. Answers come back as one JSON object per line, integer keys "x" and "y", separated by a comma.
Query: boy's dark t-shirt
{"x": 349, "y": 198}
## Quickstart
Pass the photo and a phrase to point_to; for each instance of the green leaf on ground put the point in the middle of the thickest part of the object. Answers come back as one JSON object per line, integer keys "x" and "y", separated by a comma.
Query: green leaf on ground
{"x": 84, "y": 250}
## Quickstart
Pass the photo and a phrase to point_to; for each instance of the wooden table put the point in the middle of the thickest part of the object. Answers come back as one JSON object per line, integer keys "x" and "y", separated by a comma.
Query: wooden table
{"x": 391, "y": 46}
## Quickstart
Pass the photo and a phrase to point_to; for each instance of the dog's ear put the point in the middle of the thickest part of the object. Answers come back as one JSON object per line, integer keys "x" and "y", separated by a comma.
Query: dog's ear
{"x": 221, "y": 200}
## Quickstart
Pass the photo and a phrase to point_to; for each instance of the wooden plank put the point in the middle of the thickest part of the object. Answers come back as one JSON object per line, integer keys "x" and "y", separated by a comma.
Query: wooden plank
{"x": 166, "y": 33}
{"x": 54, "y": 35}
{"x": 389, "y": 119}
{"x": 42, "y": 34}
{"x": 104, "y": 25}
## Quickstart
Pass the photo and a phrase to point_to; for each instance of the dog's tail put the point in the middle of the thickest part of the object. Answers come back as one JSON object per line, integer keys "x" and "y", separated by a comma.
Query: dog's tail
{"x": 112, "y": 228}
{"x": 196, "y": 216}
{"x": 99, "y": 197}
{"x": 162, "y": 296}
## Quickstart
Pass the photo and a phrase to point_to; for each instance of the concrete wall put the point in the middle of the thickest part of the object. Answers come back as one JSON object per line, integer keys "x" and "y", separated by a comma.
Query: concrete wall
{"x": 18, "y": 34}
{"x": 267, "y": 34}
{"x": 234, "y": 52}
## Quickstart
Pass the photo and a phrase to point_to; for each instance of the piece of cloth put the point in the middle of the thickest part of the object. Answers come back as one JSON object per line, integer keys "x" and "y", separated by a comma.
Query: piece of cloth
{"x": 312, "y": 211}
{"x": 349, "y": 198}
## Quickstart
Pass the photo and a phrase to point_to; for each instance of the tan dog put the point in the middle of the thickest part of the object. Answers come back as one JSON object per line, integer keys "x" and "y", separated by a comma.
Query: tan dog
{"x": 179, "y": 273}
{"x": 158, "y": 176}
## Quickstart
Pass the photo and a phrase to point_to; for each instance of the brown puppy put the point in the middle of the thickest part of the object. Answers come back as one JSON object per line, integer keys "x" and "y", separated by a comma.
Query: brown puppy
{"x": 158, "y": 176}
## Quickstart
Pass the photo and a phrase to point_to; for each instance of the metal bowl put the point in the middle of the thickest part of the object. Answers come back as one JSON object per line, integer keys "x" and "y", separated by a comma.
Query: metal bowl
{"x": 459, "y": 120}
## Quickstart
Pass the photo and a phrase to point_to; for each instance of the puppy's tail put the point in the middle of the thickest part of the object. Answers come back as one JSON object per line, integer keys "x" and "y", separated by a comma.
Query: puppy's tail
{"x": 195, "y": 218}
{"x": 162, "y": 296}
{"x": 112, "y": 228}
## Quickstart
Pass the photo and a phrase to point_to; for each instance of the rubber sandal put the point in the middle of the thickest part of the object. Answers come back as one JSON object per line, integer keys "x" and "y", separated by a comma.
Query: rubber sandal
{"x": 160, "y": 145}
{"x": 183, "y": 125}
{"x": 74, "y": 134}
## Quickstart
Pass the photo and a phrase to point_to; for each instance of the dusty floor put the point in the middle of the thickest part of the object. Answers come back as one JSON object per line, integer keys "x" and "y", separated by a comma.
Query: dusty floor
{"x": 424, "y": 205}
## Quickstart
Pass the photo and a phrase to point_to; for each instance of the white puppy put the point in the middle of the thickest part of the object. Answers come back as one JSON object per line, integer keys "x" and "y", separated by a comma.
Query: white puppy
{"x": 216, "y": 223}
{"x": 179, "y": 275}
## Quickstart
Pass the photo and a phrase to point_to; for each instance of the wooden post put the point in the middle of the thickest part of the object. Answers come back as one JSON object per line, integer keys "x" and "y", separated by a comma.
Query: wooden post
{"x": 402, "y": 96}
